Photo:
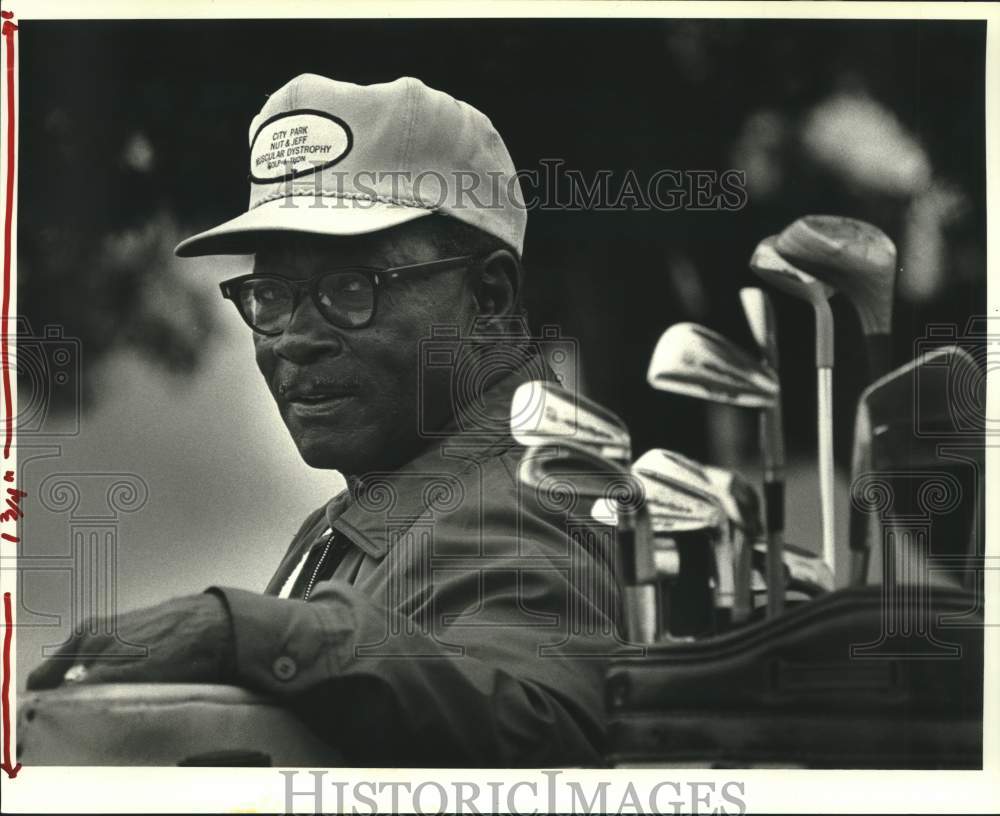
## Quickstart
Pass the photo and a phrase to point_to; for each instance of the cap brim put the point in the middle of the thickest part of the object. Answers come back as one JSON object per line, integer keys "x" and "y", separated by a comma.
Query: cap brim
{"x": 239, "y": 236}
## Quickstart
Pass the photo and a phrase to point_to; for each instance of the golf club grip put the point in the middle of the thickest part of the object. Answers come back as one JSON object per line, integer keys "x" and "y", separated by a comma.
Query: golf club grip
{"x": 776, "y": 574}
{"x": 879, "y": 358}
{"x": 859, "y": 544}
{"x": 774, "y": 506}
{"x": 772, "y": 443}
{"x": 625, "y": 556}
{"x": 635, "y": 561}
{"x": 824, "y": 334}
{"x": 642, "y": 616}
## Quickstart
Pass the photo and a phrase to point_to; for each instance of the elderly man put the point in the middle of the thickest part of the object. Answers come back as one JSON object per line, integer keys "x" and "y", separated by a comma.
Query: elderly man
{"x": 431, "y": 614}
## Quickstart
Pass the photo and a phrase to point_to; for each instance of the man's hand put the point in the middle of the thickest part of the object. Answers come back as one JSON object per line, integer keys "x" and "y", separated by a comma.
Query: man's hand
{"x": 185, "y": 640}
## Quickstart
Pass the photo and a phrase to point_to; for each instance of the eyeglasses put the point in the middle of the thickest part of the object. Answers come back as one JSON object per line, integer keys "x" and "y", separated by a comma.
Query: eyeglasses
{"x": 346, "y": 297}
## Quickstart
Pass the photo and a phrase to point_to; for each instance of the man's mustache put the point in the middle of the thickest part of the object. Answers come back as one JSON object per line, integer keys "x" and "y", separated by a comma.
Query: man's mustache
{"x": 293, "y": 387}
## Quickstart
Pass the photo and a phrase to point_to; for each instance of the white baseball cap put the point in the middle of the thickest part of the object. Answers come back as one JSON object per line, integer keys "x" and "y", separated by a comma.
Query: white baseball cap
{"x": 335, "y": 158}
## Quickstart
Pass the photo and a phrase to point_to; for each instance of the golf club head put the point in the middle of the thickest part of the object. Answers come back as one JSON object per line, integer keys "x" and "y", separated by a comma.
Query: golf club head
{"x": 772, "y": 267}
{"x": 680, "y": 497}
{"x": 900, "y": 422}
{"x": 568, "y": 470}
{"x": 673, "y": 478}
{"x": 543, "y": 413}
{"x": 695, "y": 361}
{"x": 759, "y": 312}
{"x": 902, "y": 416}
{"x": 853, "y": 256}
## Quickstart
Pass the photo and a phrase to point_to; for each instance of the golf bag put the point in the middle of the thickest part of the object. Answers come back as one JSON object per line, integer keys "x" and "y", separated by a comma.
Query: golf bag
{"x": 850, "y": 680}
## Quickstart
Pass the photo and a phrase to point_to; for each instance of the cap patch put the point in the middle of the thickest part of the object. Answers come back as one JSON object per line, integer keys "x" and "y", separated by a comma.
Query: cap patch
{"x": 294, "y": 143}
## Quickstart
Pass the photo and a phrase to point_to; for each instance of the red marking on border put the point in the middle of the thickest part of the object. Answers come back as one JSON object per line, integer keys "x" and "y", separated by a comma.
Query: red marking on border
{"x": 8, "y": 34}
{"x": 8, "y": 630}
{"x": 8, "y": 615}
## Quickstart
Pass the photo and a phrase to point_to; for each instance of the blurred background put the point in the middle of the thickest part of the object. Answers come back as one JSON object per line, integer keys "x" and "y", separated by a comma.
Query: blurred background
{"x": 134, "y": 135}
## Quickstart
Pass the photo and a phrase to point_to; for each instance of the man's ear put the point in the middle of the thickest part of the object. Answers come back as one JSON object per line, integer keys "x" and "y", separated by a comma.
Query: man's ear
{"x": 496, "y": 283}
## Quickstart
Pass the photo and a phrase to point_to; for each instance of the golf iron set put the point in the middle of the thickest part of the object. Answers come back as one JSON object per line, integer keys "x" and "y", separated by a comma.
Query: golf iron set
{"x": 686, "y": 531}
{"x": 705, "y": 541}
{"x": 813, "y": 259}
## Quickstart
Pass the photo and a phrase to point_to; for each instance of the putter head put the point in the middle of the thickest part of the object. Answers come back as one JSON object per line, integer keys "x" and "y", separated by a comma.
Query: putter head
{"x": 759, "y": 312}
{"x": 853, "y": 256}
{"x": 543, "y": 413}
{"x": 771, "y": 266}
{"x": 695, "y": 361}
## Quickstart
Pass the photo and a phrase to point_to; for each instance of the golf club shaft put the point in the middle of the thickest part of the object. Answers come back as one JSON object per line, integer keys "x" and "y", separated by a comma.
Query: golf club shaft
{"x": 742, "y": 576}
{"x": 860, "y": 522}
{"x": 641, "y": 614}
{"x": 773, "y": 454}
{"x": 638, "y": 575}
{"x": 860, "y": 535}
{"x": 824, "y": 393}
{"x": 774, "y": 497}
{"x": 725, "y": 586}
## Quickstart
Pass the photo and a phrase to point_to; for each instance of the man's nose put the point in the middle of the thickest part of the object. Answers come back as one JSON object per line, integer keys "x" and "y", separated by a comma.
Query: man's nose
{"x": 308, "y": 335}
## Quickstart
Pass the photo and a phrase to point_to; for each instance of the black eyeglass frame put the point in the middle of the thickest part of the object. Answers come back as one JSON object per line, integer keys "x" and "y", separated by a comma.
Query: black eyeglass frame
{"x": 378, "y": 278}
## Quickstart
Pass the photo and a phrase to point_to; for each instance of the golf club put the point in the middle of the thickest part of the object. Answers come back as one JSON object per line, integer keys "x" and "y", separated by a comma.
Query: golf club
{"x": 742, "y": 505}
{"x": 760, "y": 316}
{"x": 857, "y": 259}
{"x": 687, "y": 523}
{"x": 671, "y": 479}
{"x": 695, "y": 361}
{"x": 542, "y": 413}
{"x": 900, "y": 422}
{"x": 698, "y": 362}
{"x": 568, "y": 469}
{"x": 773, "y": 268}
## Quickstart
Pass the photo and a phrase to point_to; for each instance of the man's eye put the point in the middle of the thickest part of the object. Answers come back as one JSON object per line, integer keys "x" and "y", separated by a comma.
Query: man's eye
{"x": 267, "y": 293}
{"x": 345, "y": 285}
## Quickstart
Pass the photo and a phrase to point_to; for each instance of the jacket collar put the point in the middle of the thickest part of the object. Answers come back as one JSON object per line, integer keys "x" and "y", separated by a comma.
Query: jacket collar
{"x": 393, "y": 501}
